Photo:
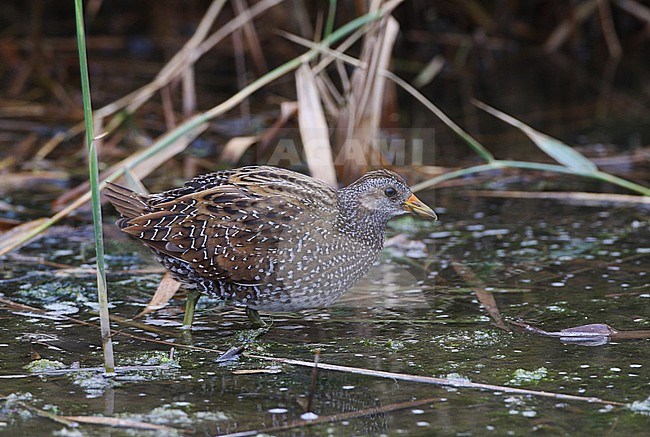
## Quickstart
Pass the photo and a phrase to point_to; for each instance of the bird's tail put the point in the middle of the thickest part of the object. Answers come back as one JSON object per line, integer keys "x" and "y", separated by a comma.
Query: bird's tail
{"x": 127, "y": 202}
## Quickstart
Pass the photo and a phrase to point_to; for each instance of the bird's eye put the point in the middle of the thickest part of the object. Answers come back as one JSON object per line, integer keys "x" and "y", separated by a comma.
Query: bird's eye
{"x": 390, "y": 192}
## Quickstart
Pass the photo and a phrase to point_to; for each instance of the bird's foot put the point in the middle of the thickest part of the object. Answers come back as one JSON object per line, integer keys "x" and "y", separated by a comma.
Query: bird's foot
{"x": 247, "y": 337}
{"x": 256, "y": 320}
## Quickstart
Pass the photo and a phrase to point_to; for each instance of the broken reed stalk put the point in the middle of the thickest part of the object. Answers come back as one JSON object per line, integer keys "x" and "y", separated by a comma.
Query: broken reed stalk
{"x": 312, "y": 383}
{"x": 102, "y": 294}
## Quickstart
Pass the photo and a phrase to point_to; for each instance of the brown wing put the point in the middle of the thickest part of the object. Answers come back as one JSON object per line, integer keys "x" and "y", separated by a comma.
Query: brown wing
{"x": 234, "y": 230}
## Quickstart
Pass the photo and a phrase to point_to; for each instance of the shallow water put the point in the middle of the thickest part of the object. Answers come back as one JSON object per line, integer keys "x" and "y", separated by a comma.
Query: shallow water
{"x": 418, "y": 312}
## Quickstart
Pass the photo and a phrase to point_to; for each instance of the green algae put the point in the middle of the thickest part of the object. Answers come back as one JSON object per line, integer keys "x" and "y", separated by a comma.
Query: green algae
{"x": 526, "y": 377}
{"x": 44, "y": 365}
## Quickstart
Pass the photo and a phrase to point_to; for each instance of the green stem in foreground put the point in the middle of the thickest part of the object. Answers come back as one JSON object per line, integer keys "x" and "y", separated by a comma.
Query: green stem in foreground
{"x": 102, "y": 295}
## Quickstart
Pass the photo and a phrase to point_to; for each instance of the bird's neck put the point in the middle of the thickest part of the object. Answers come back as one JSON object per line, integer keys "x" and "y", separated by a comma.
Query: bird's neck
{"x": 360, "y": 224}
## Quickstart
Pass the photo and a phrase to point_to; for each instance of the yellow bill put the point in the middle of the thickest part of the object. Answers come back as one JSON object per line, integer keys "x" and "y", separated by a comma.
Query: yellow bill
{"x": 415, "y": 205}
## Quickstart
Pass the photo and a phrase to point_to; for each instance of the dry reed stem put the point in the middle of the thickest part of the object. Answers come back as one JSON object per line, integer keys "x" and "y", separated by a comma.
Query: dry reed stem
{"x": 562, "y": 32}
{"x": 358, "y": 123}
{"x": 609, "y": 29}
{"x": 253, "y": 41}
{"x": 635, "y": 8}
{"x": 313, "y": 127}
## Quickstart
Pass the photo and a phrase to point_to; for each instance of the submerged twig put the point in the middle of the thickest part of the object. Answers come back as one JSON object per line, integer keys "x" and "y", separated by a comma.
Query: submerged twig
{"x": 312, "y": 383}
{"x": 594, "y": 333}
{"x": 336, "y": 417}
{"x": 446, "y": 382}
{"x": 74, "y": 421}
{"x": 117, "y": 422}
{"x": 485, "y": 297}
{"x": 56, "y": 418}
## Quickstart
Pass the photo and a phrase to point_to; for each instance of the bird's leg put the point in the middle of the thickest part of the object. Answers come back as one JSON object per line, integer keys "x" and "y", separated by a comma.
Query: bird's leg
{"x": 255, "y": 318}
{"x": 193, "y": 297}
